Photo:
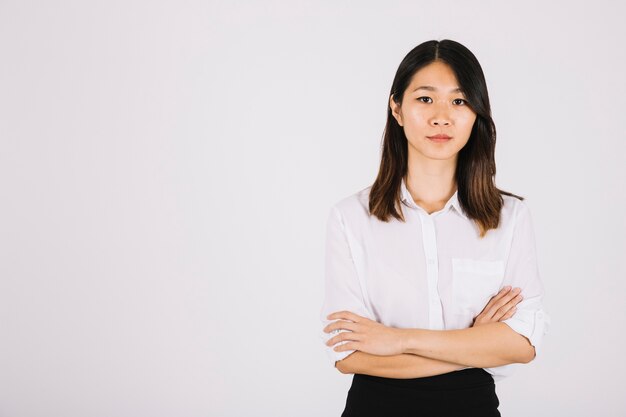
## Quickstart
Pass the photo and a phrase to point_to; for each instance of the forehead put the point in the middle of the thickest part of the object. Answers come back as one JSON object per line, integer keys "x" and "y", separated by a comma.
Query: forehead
{"x": 437, "y": 77}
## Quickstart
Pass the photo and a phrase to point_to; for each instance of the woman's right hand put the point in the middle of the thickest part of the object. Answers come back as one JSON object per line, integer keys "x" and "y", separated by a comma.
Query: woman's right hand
{"x": 500, "y": 307}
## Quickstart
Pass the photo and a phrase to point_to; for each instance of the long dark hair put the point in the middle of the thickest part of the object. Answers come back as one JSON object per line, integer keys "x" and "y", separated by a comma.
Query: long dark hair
{"x": 476, "y": 168}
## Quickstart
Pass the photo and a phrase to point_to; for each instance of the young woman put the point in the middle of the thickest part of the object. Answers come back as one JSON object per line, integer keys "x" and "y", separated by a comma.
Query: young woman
{"x": 432, "y": 291}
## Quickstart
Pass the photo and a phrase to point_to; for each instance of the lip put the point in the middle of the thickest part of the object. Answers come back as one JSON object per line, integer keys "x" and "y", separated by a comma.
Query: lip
{"x": 439, "y": 136}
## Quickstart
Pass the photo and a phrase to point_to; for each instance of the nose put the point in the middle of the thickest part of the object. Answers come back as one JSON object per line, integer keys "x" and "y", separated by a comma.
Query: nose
{"x": 440, "y": 120}
{"x": 440, "y": 117}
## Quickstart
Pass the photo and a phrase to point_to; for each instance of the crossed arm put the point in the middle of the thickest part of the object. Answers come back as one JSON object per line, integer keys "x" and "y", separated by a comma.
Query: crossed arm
{"x": 415, "y": 353}
{"x": 401, "y": 366}
{"x": 434, "y": 352}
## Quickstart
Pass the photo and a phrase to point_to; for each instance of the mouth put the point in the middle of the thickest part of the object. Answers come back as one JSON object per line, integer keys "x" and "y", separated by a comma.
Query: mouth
{"x": 439, "y": 138}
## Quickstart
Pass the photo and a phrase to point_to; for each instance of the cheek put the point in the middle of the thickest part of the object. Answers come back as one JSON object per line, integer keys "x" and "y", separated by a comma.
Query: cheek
{"x": 416, "y": 120}
{"x": 467, "y": 120}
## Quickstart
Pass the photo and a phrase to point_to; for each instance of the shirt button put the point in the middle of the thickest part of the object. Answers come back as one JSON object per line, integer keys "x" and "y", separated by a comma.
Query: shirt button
{"x": 431, "y": 261}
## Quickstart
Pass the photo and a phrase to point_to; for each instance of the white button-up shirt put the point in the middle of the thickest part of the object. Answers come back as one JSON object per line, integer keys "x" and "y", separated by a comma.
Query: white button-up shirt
{"x": 432, "y": 272}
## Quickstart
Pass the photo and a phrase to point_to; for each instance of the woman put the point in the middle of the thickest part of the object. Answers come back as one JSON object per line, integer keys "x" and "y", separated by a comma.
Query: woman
{"x": 432, "y": 287}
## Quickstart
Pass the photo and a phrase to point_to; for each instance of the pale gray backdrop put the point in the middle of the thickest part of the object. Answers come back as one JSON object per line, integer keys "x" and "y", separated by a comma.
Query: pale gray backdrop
{"x": 166, "y": 168}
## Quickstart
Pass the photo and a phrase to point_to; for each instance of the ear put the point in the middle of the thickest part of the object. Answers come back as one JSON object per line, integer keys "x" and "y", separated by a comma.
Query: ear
{"x": 395, "y": 110}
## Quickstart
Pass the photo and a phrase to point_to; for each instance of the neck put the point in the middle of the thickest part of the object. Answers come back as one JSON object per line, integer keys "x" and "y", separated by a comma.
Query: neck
{"x": 431, "y": 182}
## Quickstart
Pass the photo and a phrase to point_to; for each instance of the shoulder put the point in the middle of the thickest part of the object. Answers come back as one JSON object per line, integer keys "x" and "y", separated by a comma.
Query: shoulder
{"x": 353, "y": 206}
{"x": 515, "y": 210}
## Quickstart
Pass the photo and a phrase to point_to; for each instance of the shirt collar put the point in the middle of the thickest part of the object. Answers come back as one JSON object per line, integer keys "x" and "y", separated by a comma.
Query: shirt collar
{"x": 452, "y": 202}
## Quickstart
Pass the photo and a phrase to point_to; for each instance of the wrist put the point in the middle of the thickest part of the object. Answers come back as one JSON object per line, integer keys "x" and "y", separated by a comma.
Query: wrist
{"x": 410, "y": 339}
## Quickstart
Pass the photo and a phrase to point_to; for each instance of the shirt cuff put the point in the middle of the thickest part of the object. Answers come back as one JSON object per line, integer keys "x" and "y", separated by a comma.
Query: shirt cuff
{"x": 532, "y": 323}
{"x": 333, "y": 355}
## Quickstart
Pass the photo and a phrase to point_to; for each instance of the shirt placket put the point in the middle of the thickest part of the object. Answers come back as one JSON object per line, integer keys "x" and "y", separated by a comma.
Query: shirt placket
{"x": 432, "y": 271}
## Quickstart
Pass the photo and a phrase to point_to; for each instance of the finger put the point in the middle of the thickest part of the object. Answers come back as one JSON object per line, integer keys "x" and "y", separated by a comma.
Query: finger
{"x": 347, "y": 346}
{"x": 508, "y": 306}
{"x": 509, "y": 314}
{"x": 487, "y": 309}
{"x": 512, "y": 302}
{"x": 504, "y": 290}
{"x": 493, "y": 309}
{"x": 343, "y": 336}
{"x": 496, "y": 302}
{"x": 340, "y": 324}
{"x": 502, "y": 293}
{"x": 499, "y": 296}
{"x": 345, "y": 315}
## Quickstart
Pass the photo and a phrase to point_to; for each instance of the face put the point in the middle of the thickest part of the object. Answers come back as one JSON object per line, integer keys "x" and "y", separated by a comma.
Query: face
{"x": 435, "y": 109}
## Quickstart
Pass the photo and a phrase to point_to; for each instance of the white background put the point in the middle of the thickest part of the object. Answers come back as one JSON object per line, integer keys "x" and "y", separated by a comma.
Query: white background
{"x": 166, "y": 169}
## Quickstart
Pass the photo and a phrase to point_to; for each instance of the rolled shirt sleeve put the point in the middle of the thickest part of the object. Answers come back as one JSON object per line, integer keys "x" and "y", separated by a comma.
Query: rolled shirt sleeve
{"x": 530, "y": 319}
{"x": 343, "y": 288}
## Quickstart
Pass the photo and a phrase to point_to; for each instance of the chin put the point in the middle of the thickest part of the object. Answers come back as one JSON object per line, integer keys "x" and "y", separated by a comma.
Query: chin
{"x": 439, "y": 156}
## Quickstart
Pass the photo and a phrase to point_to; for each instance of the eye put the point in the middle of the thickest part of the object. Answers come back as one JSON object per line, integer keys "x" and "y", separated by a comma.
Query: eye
{"x": 420, "y": 98}
{"x": 460, "y": 99}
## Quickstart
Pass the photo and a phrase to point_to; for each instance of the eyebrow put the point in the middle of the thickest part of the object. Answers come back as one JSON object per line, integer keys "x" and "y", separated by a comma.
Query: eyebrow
{"x": 430, "y": 88}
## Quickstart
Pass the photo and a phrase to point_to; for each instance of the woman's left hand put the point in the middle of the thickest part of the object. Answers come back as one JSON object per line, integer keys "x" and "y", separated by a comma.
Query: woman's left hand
{"x": 364, "y": 335}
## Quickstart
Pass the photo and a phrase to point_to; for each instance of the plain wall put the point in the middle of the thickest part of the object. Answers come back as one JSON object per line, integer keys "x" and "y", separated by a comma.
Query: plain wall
{"x": 166, "y": 168}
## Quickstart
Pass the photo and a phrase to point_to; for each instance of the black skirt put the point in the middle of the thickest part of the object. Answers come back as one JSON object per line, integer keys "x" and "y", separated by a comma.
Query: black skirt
{"x": 469, "y": 392}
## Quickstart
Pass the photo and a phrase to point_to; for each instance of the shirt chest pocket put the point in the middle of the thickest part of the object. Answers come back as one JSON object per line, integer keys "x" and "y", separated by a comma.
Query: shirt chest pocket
{"x": 474, "y": 282}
